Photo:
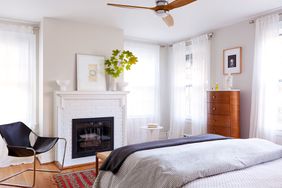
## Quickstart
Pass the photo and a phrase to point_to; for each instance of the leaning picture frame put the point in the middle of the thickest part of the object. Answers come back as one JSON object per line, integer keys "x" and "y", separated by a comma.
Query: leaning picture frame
{"x": 90, "y": 73}
{"x": 232, "y": 60}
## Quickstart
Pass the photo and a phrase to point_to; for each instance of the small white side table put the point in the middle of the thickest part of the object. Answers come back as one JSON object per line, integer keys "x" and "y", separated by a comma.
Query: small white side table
{"x": 152, "y": 133}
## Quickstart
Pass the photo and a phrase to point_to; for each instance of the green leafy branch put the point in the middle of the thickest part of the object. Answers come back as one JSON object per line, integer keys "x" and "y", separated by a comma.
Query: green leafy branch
{"x": 119, "y": 61}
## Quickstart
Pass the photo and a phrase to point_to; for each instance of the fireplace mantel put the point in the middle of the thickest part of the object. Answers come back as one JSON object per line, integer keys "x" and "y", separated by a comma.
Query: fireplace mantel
{"x": 70, "y": 105}
{"x": 86, "y": 95}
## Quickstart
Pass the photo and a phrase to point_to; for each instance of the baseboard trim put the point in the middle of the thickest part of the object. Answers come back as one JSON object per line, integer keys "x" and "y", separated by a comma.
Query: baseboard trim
{"x": 74, "y": 166}
{"x": 44, "y": 163}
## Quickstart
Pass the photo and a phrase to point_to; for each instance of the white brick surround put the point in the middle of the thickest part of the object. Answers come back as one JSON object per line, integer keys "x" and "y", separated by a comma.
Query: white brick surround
{"x": 75, "y": 104}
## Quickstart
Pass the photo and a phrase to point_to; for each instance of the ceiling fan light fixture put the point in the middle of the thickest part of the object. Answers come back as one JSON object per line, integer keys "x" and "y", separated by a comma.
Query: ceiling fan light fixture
{"x": 162, "y": 13}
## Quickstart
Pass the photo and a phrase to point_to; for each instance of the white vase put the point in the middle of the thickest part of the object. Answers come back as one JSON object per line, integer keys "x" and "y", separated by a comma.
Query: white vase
{"x": 113, "y": 84}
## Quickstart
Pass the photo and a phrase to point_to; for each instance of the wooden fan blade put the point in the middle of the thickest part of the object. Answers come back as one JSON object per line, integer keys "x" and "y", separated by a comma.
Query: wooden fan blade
{"x": 168, "y": 20}
{"x": 178, "y": 3}
{"x": 130, "y": 6}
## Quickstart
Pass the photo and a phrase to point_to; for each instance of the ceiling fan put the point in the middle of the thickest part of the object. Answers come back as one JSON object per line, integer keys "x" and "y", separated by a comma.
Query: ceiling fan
{"x": 162, "y": 8}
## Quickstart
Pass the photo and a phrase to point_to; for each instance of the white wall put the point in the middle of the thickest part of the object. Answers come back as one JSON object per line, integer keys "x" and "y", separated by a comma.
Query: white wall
{"x": 61, "y": 40}
{"x": 241, "y": 34}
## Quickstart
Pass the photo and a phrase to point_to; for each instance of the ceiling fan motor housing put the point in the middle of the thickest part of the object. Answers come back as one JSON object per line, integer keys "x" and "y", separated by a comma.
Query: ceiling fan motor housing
{"x": 161, "y": 2}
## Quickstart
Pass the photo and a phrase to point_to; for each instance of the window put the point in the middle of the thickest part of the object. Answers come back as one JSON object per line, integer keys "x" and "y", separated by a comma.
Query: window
{"x": 188, "y": 81}
{"x": 17, "y": 74}
{"x": 143, "y": 80}
{"x": 143, "y": 86}
{"x": 17, "y": 81}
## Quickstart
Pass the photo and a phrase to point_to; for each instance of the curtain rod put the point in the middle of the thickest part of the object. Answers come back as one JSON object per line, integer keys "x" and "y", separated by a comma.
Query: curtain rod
{"x": 189, "y": 41}
{"x": 252, "y": 21}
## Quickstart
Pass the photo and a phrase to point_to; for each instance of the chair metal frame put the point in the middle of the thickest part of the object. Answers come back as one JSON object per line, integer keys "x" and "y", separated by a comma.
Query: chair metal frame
{"x": 34, "y": 166}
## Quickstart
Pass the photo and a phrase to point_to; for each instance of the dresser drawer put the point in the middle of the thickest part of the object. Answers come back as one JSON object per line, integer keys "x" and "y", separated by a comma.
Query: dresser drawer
{"x": 219, "y": 97}
{"x": 218, "y": 109}
{"x": 220, "y": 130}
{"x": 219, "y": 120}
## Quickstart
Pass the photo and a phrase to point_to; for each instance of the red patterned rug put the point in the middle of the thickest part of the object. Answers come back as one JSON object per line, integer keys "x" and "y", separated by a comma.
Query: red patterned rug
{"x": 80, "y": 179}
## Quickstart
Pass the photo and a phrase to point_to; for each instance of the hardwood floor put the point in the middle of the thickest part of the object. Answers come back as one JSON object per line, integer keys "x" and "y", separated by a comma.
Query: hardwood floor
{"x": 43, "y": 179}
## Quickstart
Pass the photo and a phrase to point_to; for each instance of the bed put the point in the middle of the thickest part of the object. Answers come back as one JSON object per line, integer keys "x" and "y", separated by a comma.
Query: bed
{"x": 218, "y": 163}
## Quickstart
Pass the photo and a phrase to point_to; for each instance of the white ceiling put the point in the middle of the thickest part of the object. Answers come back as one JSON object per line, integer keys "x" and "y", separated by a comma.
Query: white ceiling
{"x": 196, "y": 18}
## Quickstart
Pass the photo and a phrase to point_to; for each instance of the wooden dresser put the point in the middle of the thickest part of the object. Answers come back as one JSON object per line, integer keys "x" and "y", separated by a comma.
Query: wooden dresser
{"x": 224, "y": 113}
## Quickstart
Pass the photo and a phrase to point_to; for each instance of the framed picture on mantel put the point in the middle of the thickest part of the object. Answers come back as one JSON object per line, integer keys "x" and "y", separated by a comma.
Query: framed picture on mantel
{"x": 90, "y": 73}
{"x": 232, "y": 60}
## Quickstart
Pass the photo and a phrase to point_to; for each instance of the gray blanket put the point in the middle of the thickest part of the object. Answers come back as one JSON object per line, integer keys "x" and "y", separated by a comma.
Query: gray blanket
{"x": 118, "y": 156}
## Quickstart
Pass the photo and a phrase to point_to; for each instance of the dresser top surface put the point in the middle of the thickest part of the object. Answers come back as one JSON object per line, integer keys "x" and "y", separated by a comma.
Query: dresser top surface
{"x": 224, "y": 90}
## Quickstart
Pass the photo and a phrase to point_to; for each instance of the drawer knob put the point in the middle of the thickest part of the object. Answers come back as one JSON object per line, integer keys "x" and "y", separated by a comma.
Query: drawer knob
{"x": 213, "y": 108}
{"x": 213, "y": 97}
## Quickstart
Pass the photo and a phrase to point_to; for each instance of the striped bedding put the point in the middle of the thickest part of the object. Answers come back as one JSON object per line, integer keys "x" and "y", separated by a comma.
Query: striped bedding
{"x": 208, "y": 164}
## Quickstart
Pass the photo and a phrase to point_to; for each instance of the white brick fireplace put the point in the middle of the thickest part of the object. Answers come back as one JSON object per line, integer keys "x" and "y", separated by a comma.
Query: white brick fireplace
{"x": 75, "y": 105}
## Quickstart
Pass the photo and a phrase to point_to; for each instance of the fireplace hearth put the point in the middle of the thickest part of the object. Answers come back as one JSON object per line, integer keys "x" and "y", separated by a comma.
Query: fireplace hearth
{"x": 91, "y": 135}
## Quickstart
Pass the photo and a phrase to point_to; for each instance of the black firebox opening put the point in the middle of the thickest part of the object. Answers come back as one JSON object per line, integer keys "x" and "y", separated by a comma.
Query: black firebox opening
{"x": 91, "y": 135}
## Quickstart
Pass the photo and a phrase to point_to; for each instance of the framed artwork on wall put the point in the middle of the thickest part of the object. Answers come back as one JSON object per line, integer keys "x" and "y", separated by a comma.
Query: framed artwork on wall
{"x": 232, "y": 60}
{"x": 90, "y": 73}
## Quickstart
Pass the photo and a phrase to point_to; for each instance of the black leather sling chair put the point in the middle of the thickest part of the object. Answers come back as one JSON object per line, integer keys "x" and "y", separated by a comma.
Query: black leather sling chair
{"x": 16, "y": 135}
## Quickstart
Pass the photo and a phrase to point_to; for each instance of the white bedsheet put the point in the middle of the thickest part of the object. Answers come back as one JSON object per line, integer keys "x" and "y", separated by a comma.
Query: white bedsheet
{"x": 266, "y": 175}
{"x": 183, "y": 165}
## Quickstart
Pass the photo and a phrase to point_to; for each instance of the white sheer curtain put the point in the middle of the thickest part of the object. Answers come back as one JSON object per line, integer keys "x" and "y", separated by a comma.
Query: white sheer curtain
{"x": 177, "y": 90}
{"x": 143, "y": 85}
{"x": 201, "y": 52}
{"x": 267, "y": 69}
{"x": 17, "y": 81}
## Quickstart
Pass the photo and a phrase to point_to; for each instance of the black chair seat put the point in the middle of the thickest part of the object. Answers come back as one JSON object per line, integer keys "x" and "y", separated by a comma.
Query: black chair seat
{"x": 44, "y": 144}
{"x": 16, "y": 151}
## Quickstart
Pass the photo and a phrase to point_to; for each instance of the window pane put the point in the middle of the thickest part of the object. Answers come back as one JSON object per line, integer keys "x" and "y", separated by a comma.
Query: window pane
{"x": 143, "y": 80}
{"x": 17, "y": 77}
